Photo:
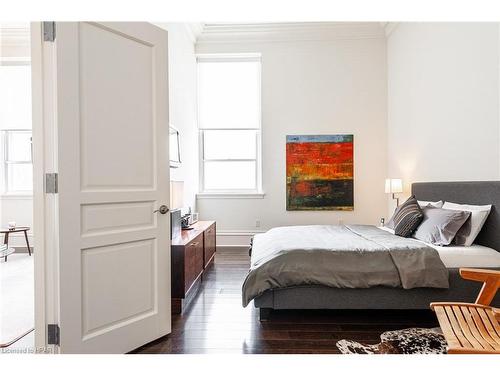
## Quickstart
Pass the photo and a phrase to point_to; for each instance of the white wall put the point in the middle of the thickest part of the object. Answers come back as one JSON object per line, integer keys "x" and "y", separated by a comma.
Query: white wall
{"x": 182, "y": 106}
{"x": 312, "y": 87}
{"x": 443, "y": 102}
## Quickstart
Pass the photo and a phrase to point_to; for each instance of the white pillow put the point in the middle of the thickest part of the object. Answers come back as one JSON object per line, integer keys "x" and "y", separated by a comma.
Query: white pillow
{"x": 479, "y": 214}
{"x": 438, "y": 204}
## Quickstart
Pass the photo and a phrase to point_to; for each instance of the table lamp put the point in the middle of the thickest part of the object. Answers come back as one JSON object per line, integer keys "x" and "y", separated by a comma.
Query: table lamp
{"x": 176, "y": 194}
{"x": 393, "y": 186}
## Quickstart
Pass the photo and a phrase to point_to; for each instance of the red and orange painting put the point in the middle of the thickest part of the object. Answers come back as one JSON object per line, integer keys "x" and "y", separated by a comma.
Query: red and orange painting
{"x": 319, "y": 172}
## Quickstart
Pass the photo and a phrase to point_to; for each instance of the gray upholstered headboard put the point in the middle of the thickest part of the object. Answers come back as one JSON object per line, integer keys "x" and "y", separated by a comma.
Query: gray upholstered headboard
{"x": 470, "y": 192}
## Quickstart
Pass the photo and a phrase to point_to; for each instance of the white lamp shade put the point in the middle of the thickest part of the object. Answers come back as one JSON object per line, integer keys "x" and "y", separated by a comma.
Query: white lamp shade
{"x": 176, "y": 194}
{"x": 393, "y": 185}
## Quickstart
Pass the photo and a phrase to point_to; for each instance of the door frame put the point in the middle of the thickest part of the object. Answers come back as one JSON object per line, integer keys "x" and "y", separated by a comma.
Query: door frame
{"x": 44, "y": 205}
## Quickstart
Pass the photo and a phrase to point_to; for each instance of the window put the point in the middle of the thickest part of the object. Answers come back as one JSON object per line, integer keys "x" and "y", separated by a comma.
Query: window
{"x": 15, "y": 125}
{"x": 18, "y": 161}
{"x": 229, "y": 121}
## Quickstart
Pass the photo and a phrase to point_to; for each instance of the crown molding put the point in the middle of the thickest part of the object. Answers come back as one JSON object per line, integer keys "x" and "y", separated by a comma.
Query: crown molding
{"x": 193, "y": 30}
{"x": 389, "y": 27}
{"x": 190, "y": 30}
{"x": 289, "y": 31}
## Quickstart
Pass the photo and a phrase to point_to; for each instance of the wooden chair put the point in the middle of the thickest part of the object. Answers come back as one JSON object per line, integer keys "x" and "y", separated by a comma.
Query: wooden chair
{"x": 472, "y": 328}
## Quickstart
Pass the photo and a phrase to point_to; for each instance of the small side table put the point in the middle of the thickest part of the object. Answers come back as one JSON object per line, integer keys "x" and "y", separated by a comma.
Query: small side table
{"x": 7, "y": 232}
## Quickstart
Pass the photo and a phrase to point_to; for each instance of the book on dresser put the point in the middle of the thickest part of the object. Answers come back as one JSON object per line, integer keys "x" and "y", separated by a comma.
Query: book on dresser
{"x": 193, "y": 252}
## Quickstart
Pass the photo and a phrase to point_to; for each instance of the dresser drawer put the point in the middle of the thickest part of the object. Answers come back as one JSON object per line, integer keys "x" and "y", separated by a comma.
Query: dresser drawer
{"x": 193, "y": 261}
{"x": 192, "y": 252}
{"x": 210, "y": 244}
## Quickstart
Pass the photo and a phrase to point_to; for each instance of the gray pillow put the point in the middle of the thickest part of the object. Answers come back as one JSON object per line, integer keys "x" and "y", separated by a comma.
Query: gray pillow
{"x": 422, "y": 204}
{"x": 390, "y": 224}
{"x": 440, "y": 226}
{"x": 464, "y": 232}
{"x": 438, "y": 204}
{"x": 407, "y": 218}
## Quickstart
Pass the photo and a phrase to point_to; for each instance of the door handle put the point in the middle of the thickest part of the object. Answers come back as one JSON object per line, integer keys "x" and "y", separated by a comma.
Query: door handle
{"x": 162, "y": 210}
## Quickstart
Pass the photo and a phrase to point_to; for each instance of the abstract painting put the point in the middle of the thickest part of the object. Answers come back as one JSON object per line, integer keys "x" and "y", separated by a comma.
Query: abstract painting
{"x": 319, "y": 172}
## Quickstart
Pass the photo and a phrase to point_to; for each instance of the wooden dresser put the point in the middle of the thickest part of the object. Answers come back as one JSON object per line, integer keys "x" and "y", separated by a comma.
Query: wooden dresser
{"x": 192, "y": 253}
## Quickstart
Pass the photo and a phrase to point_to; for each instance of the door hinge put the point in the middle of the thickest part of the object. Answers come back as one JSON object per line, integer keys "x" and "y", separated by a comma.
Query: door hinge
{"x": 53, "y": 336}
{"x": 49, "y": 31}
{"x": 51, "y": 183}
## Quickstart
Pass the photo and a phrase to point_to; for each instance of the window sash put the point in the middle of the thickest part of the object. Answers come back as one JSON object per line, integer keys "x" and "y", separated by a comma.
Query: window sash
{"x": 8, "y": 146}
{"x": 10, "y": 169}
{"x": 257, "y": 160}
{"x": 203, "y": 132}
{"x": 255, "y": 177}
{"x": 9, "y": 163}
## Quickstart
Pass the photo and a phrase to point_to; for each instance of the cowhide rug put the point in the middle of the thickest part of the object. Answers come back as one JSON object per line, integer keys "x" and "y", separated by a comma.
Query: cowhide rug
{"x": 405, "y": 341}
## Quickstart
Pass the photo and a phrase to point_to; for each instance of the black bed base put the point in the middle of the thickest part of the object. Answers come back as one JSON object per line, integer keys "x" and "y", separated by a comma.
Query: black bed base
{"x": 376, "y": 298}
{"x": 265, "y": 314}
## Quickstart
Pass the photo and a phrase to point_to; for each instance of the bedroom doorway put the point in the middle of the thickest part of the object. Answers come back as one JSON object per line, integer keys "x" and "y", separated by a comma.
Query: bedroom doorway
{"x": 17, "y": 309}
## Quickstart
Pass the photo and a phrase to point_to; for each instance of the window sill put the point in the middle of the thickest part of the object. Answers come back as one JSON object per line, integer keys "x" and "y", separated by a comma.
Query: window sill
{"x": 16, "y": 196}
{"x": 230, "y": 195}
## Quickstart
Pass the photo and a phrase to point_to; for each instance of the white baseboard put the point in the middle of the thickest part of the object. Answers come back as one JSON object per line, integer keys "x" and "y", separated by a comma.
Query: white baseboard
{"x": 23, "y": 250}
{"x": 242, "y": 249}
{"x": 17, "y": 240}
{"x": 235, "y": 238}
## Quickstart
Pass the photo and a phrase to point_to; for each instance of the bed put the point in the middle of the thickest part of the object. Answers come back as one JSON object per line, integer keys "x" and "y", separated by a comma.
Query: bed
{"x": 483, "y": 254}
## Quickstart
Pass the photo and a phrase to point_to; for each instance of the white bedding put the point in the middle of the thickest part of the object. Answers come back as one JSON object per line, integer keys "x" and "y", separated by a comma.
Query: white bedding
{"x": 465, "y": 256}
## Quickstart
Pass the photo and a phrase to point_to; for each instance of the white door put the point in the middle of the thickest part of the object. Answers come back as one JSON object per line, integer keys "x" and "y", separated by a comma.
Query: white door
{"x": 111, "y": 120}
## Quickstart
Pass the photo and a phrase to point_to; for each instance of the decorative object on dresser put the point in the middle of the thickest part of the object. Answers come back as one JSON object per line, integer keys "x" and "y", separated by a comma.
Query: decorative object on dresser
{"x": 192, "y": 253}
{"x": 176, "y": 204}
{"x": 189, "y": 219}
{"x": 175, "y": 223}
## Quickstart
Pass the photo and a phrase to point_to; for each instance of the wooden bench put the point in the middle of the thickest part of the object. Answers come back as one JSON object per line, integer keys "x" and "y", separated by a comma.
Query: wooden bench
{"x": 472, "y": 328}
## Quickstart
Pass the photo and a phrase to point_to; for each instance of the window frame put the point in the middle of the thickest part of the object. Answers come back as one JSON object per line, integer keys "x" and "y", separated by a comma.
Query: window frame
{"x": 4, "y": 192}
{"x": 257, "y": 191}
{"x": 6, "y": 162}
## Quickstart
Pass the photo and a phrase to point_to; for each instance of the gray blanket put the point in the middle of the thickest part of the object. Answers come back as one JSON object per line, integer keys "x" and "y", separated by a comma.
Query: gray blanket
{"x": 352, "y": 256}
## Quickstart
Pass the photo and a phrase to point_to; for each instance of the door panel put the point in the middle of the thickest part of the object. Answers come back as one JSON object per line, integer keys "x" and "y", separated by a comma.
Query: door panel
{"x": 112, "y": 112}
{"x": 127, "y": 294}
{"x": 112, "y": 152}
{"x": 121, "y": 217}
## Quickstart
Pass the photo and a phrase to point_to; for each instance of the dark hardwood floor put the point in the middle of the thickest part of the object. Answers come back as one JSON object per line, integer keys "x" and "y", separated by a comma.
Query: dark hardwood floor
{"x": 216, "y": 322}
